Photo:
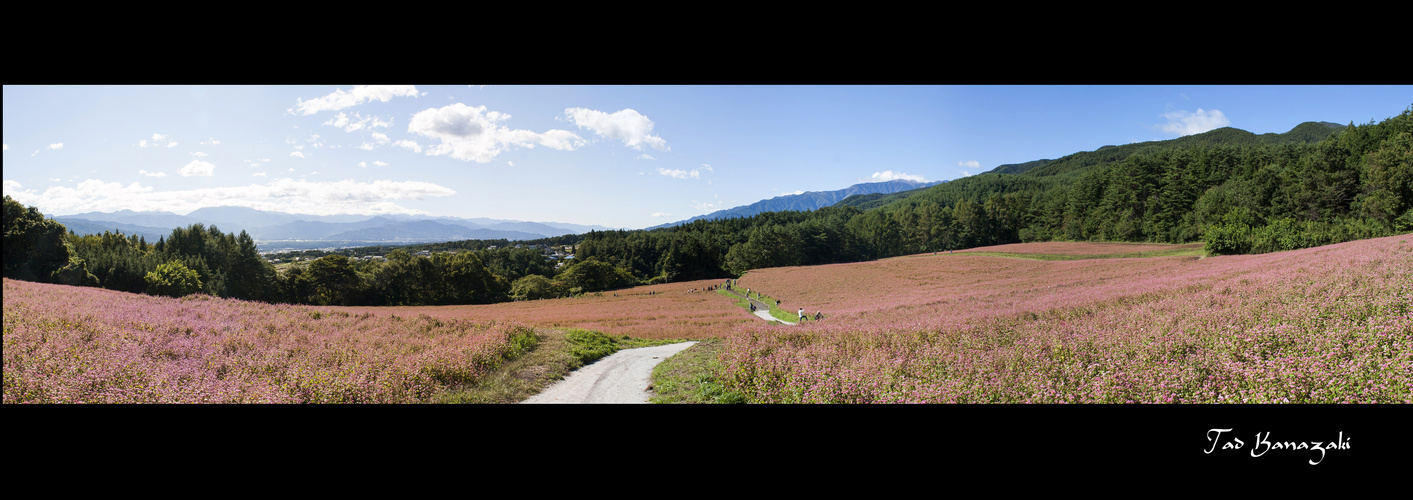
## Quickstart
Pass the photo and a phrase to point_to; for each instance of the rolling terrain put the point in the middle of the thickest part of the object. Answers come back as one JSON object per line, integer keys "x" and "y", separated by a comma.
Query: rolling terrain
{"x": 1328, "y": 324}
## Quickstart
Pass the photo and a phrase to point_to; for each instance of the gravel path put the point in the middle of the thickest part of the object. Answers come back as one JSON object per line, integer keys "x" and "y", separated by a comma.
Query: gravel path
{"x": 621, "y": 377}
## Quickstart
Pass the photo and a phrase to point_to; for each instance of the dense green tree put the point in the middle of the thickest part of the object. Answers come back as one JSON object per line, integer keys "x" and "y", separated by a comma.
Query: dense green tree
{"x": 534, "y": 287}
{"x": 173, "y": 279}
{"x": 334, "y": 281}
{"x": 592, "y": 275}
{"x": 36, "y": 248}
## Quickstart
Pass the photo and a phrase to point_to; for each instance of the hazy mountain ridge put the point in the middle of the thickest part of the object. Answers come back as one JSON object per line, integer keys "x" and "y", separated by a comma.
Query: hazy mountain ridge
{"x": 812, "y": 200}
{"x": 265, "y": 226}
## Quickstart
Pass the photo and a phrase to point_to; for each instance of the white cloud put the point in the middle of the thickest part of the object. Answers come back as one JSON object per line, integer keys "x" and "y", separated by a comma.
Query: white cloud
{"x": 888, "y": 175}
{"x": 680, "y": 174}
{"x": 56, "y": 146}
{"x": 358, "y": 122}
{"x": 198, "y": 154}
{"x": 297, "y": 154}
{"x": 152, "y": 174}
{"x": 626, "y": 125}
{"x": 258, "y": 174}
{"x": 969, "y": 164}
{"x": 645, "y": 156}
{"x": 661, "y": 214}
{"x": 359, "y": 95}
{"x": 380, "y": 164}
{"x": 198, "y": 167}
{"x": 156, "y": 142}
{"x": 472, "y": 134}
{"x": 11, "y": 187}
{"x": 1182, "y": 122}
{"x": 406, "y": 144}
{"x": 286, "y": 195}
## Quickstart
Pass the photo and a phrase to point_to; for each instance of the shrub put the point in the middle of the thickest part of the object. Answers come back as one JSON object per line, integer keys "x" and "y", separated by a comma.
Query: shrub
{"x": 173, "y": 279}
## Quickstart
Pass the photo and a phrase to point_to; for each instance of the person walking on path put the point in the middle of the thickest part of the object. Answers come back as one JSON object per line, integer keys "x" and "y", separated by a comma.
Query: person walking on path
{"x": 802, "y": 314}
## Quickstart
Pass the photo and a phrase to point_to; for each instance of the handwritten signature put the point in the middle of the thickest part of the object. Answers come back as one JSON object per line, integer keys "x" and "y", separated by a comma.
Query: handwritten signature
{"x": 1264, "y": 444}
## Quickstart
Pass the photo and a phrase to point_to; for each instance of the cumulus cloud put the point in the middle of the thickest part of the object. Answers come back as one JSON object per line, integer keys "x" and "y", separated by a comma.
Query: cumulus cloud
{"x": 629, "y": 126}
{"x": 360, "y": 94}
{"x": 12, "y": 188}
{"x": 297, "y": 154}
{"x": 679, "y": 173}
{"x": 56, "y": 146}
{"x": 1182, "y": 122}
{"x": 472, "y": 134}
{"x": 285, "y": 195}
{"x": 889, "y": 175}
{"x": 198, "y": 167}
{"x": 152, "y": 174}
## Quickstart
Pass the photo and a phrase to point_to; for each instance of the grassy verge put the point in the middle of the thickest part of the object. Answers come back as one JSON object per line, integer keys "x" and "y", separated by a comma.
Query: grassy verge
{"x": 775, "y": 311}
{"x": 545, "y": 359}
{"x": 690, "y": 377}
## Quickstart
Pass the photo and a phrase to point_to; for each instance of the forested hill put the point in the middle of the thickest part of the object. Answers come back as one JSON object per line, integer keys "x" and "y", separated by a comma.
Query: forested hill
{"x": 1308, "y": 132}
{"x": 1236, "y": 191}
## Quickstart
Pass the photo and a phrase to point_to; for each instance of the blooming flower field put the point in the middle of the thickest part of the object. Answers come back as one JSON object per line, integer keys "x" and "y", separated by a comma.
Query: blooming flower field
{"x": 87, "y": 345}
{"x": 1330, "y": 324}
{"x": 1080, "y": 248}
{"x": 669, "y": 311}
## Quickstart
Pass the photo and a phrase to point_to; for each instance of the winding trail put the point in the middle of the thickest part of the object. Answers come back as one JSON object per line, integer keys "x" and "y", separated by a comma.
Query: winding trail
{"x": 619, "y": 378}
{"x": 763, "y": 310}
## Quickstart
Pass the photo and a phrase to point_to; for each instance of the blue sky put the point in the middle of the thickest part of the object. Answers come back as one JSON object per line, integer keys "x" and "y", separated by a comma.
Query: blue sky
{"x": 618, "y": 156}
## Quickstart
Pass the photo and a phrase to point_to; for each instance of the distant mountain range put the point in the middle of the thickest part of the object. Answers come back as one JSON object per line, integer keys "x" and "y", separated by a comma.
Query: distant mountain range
{"x": 812, "y": 200}
{"x": 278, "y": 230}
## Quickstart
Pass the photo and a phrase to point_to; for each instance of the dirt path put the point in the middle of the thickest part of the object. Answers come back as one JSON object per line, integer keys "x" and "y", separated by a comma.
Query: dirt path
{"x": 622, "y": 377}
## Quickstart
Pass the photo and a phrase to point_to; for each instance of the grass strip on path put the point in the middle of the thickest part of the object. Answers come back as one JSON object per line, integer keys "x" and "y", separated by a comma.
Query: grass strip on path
{"x": 765, "y": 300}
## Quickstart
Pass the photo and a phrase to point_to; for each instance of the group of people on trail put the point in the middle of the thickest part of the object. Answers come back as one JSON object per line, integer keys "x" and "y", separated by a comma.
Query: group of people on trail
{"x": 818, "y": 315}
